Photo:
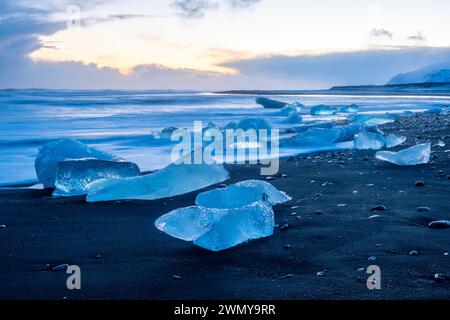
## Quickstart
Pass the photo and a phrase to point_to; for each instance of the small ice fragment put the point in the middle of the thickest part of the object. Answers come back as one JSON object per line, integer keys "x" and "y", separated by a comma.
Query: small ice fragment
{"x": 269, "y": 103}
{"x": 393, "y": 140}
{"x": 367, "y": 140}
{"x": 180, "y": 177}
{"x": 374, "y": 119}
{"x": 323, "y": 110}
{"x": 218, "y": 229}
{"x": 50, "y": 154}
{"x": 417, "y": 154}
{"x": 241, "y": 194}
{"x": 74, "y": 175}
{"x": 353, "y": 108}
{"x": 294, "y": 117}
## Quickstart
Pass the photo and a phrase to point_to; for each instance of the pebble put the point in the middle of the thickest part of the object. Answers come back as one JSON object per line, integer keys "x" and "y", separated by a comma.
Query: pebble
{"x": 287, "y": 276}
{"x": 319, "y": 212}
{"x": 320, "y": 273}
{"x": 423, "y": 209}
{"x": 287, "y": 246}
{"x": 284, "y": 227}
{"x": 2, "y": 226}
{"x": 326, "y": 183}
{"x": 419, "y": 184}
{"x": 270, "y": 178}
{"x": 439, "y": 277}
{"x": 340, "y": 205}
{"x": 414, "y": 253}
{"x": 60, "y": 267}
{"x": 439, "y": 224}
{"x": 374, "y": 216}
{"x": 176, "y": 277}
{"x": 372, "y": 258}
{"x": 284, "y": 175}
{"x": 379, "y": 208}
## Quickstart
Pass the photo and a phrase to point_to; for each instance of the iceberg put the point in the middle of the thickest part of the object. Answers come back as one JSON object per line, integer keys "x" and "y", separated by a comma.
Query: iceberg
{"x": 393, "y": 140}
{"x": 374, "y": 119}
{"x": 50, "y": 154}
{"x": 270, "y": 104}
{"x": 218, "y": 229}
{"x": 241, "y": 194}
{"x": 368, "y": 140}
{"x": 294, "y": 117}
{"x": 353, "y": 108}
{"x": 179, "y": 177}
{"x": 415, "y": 155}
{"x": 74, "y": 175}
{"x": 250, "y": 123}
{"x": 323, "y": 110}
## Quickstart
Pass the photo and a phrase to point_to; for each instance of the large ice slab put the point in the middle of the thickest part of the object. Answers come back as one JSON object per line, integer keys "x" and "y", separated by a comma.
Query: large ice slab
{"x": 219, "y": 229}
{"x": 313, "y": 137}
{"x": 50, "y": 154}
{"x": 175, "y": 179}
{"x": 74, "y": 175}
{"x": 415, "y": 155}
{"x": 241, "y": 194}
{"x": 250, "y": 123}
{"x": 269, "y": 103}
{"x": 306, "y": 127}
{"x": 374, "y": 119}
{"x": 322, "y": 110}
{"x": 368, "y": 140}
{"x": 393, "y": 140}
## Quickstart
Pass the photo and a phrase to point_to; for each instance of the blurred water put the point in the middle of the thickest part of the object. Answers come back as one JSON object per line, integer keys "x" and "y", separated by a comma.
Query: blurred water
{"x": 122, "y": 121}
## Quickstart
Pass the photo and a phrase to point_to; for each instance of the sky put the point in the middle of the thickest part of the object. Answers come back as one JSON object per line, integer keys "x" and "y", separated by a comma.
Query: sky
{"x": 218, "y": 44}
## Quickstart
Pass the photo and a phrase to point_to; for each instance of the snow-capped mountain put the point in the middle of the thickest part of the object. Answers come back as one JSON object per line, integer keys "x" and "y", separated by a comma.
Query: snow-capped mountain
{"x": 434, "y": 73}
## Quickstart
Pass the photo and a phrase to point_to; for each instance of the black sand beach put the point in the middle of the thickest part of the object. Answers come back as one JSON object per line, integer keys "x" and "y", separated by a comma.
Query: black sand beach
{"x": 317, "y": 256}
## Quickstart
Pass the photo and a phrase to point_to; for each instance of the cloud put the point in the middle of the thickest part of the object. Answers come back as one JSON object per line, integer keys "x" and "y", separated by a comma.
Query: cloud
{"x": 242, "y": 3}
{"x": 418, "y": 37}
{"x": 194, "y": 8}
{"x": 381, "y": 33}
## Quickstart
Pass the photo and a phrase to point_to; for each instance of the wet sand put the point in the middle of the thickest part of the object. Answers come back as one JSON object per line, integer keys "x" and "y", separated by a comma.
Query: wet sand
{"x": 123, "y": 256}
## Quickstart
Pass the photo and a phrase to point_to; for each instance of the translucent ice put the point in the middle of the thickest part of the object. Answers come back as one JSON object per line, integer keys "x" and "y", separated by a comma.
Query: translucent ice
{"x": 353, "y": 108}
{"x": 219, "y": 229}
{"x": 294, "y": 117}
{"x": 269, "y": 103}
{"x": 288, "y": 109}
{"x": 50, "y": 154}
{"x": 74, "y": 175}
{"x": 175, "y": 179}
{"x": 322, "y": 110}
{"x": 374, "y": 119}
{"x": 393, "y": 140}
{"x": 306, "y": 127}
{"x": 369, "y": 140}
{"x": 250, "y": 123}
{"x": 241, "y": 194}
{"x": 417, "y": 154}
{"x": 313, "y": 137}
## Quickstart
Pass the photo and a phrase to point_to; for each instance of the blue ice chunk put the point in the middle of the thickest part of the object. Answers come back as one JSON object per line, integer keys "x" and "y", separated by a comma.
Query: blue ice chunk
{"x": 322, "y": 110}
{"x": 353, "y": 108}
{"x": 306, "y": 127}
{"x": 250, "y": 123}
{"x": 393, "y": 140}
{"x": 219, "y": 229}
{"x": 368, "y": 140}
{"x": 74, "y": 175}
{"x": 241, "y": 194}
{"x": 180, "y": 177}
{"x": 374, "y": 119}
{"x": 415, "y": 155}
{"x": 313, "y": 137}
{"x": 50, "y": 154}
{"x": 270, "y": 104}
{"x": 294, "y": 117}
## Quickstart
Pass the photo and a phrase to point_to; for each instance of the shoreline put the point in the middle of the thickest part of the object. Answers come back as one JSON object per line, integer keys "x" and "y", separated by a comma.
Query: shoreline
{"x": 323, "y": 253}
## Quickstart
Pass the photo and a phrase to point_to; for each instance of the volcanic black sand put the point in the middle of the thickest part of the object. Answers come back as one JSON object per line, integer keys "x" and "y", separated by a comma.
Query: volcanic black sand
{"x": 317, "y": 256}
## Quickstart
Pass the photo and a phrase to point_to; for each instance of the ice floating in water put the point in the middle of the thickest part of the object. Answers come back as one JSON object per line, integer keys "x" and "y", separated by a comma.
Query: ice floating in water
{"x": 417, "y": 154}
{"x": 353, "y": 108}
{"x": 313, "y": 137}
{"x": 269, "y": 103}
{"x": 173, "y": 180}
{"x": 306, "y": 127}
{"x": 250, "y": 123}
{"x": 241, "y": 194}
{"x": 50, "y": 154}
{"x": 374, "y": 119}
{"x": 369, "y": 140}
{"x": 294, "y": 117}
{"x": 322, "y": 110}
{"x": 219, "y": 229}
{"x": 74, "y": 175}
{"x": 393, "y": 140}
{"x": 289, "y": 108}
{"x": 297, "y": 105}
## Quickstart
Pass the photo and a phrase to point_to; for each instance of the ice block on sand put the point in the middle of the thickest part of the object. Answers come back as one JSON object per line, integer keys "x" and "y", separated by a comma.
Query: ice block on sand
{"x": 313, "y": 137}
{"x": 368, "y": 140}
{"x": 353, "y": 108}
{"x": 269, "y": 103}
{"x": 175, "y": 179}
{"x": 415, "y": 155}
{"x": 241, "y": 194}
{"x": 393, "y": 140}
{"x": 219, "y": 229}
{"x": 374, "y": 119}
{"x": 74, "y": 175}
{"x": 50, "y": 154}
{"x": 322, "y": 110}
{"x": 294, "y": 117}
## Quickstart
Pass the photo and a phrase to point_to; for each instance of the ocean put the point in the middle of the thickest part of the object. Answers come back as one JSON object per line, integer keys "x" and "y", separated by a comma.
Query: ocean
{"x": 122, "y": 121}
